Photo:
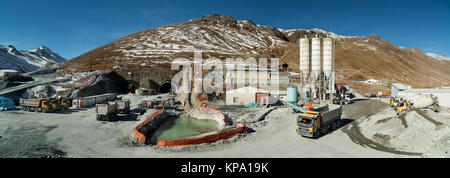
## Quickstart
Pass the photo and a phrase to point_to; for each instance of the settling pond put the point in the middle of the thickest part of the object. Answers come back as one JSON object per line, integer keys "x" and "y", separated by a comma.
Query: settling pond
{"x": 180, "y": 127}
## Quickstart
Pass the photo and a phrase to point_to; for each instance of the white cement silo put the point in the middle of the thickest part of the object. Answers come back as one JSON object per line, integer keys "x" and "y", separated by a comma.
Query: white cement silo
{"x": 304, "y": 57}
{"x": 315, "y": 58}
{"x": 327, "y": 57}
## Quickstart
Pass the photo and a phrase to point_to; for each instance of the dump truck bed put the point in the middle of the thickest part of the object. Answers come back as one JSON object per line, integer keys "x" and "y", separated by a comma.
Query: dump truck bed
{"x": 332, "y": 113}
{"x": 105, "y": 109}
{"x": 30, "y": 102}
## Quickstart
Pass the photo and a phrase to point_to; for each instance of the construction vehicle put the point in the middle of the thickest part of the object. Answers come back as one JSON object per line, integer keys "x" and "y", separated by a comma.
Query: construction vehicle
{"x": 56, "y": 104}
{"x": 123, "y": 106}
{"x": 419, "y": 101}
{"x": 66, "y": 103}
{"x": 37, "y": 105}
{"x": 316, "y": 122}
{"x": 394, "y": 101}
{"x": 402, "y": 107}
{"x": 320, "y": 121}
{"x": 106, "y": 112}
{"x": 341, "y": 95}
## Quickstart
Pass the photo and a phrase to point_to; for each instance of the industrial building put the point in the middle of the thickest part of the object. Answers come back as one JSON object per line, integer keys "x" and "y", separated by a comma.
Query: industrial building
{"x": 246, "y": 95}
{"x": 398, "y": 87}
{"x": 8, "y": 73}
{"x": 249, "y": 76}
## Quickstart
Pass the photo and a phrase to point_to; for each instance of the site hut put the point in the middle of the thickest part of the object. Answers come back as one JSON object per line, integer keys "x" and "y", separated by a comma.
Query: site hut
{"x": 398, "y": 87}
{"x": 8, "y": 73}
{"x": 442, "y": 93}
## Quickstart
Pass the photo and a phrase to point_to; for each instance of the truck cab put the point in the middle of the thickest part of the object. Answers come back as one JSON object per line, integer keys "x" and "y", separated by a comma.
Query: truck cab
{"x": 66, "y": 103}
{"x": 307, "y": 123}
{"x": 46, "y": 106}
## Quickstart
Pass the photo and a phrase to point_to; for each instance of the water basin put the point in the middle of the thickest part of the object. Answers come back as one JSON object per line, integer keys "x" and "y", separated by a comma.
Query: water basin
{"x": 180, "y": 127}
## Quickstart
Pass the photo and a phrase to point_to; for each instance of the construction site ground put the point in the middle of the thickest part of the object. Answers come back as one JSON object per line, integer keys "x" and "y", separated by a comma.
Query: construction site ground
{"x": 77, "y": 133}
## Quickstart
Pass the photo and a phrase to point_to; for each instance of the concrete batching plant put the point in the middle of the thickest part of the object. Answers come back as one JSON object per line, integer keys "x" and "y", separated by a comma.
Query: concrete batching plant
{"x": 317, "y": 69}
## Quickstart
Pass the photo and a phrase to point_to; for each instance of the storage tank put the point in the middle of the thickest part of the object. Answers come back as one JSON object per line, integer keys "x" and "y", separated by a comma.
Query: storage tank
{"x": 292, "y": 94}
{"x": 327, "y": 57}
{"x": 304, "y": 57}
{"x": 315, "y": 57}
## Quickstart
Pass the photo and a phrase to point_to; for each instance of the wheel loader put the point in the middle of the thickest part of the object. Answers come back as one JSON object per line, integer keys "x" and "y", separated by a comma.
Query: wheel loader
{"x": 402, "y": 107}
{"x": 394, "y": 101}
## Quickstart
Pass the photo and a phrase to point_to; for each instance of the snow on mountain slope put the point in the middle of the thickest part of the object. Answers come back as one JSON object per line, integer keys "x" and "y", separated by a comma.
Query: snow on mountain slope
{"x": 27, "y": 60}
{"x": 214, "y": 35}
{"x": 439, "y": 57}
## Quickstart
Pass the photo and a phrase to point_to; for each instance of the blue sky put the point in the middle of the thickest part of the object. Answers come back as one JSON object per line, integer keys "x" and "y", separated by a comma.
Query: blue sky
{"x": 73, "y": 27}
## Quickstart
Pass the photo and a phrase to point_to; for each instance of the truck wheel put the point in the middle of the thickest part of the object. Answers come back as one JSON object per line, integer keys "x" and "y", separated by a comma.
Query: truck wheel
{"x": 325, "y": 129}
{"x": 26, "y": 109}
{"x": 317, "y": 133}
{"x": 44, "y": 110}
{"x": 334, "y": 126}
{"x": 36, "y": 109}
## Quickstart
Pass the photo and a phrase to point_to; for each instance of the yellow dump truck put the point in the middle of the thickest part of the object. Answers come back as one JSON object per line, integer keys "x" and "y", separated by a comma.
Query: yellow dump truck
{"x": 37, "y": 105}
{"x": 66, "y": 103}
{"x": 316, "y": 122}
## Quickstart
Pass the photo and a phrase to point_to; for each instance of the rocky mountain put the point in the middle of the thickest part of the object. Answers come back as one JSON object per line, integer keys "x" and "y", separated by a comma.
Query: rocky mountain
{"x": 357, "y": 57}
{"x": 27, "y": 60}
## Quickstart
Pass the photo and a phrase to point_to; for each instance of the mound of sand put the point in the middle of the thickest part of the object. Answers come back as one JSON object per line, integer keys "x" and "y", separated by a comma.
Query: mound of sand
{"x": 414, "y": 131}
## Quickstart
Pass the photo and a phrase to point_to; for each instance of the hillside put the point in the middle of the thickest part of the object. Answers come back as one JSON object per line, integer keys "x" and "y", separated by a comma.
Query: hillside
{"x": 27, "y": 60}
{"x": 223, "y": 36}
{"x": 366, "y": 57}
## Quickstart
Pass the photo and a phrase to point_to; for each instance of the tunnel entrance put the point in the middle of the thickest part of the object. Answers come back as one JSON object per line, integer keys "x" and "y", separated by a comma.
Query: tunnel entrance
{"x": 165, "y": 87}
{"x": 131, "y": 86}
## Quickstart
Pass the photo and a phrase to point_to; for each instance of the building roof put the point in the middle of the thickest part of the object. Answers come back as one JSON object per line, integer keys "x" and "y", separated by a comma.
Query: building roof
{"x": 427, "y": 90}
{"x": 247, "y": 89}
{"x": 401, "y": 86}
